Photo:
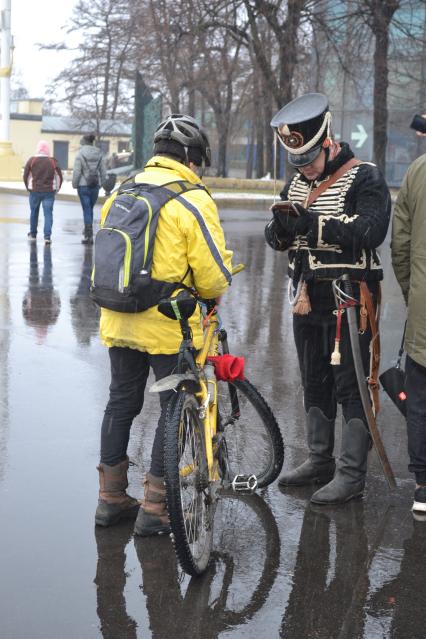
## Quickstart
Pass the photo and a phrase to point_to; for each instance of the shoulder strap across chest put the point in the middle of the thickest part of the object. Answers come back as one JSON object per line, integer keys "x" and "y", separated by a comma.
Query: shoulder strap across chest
{"x": 332, "y": 179}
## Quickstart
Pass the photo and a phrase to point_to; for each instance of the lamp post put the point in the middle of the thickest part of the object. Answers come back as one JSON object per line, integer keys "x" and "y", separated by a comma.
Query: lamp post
{"x": 10, "y": 164}
{"x": 6, "y": 69}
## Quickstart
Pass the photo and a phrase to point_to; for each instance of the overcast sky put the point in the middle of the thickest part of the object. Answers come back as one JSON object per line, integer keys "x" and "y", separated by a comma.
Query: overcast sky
{"x": 34, "y": 22}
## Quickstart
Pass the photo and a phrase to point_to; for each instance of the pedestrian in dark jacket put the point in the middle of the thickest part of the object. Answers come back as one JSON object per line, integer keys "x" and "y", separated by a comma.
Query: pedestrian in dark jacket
{"x": 409, "y": 264}
{"x": 338, "y": 215}
{"x": 42, "y": 178}
{"x": 88, "y": 176}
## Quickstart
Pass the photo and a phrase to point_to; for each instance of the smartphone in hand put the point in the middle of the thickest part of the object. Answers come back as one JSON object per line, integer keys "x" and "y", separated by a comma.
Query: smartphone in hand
{"x": 418, "y": 123}
{"x": 286, "y": 207}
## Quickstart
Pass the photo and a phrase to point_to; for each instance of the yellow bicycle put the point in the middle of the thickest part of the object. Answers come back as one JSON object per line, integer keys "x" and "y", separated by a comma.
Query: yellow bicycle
{"x": 219, "y": 436}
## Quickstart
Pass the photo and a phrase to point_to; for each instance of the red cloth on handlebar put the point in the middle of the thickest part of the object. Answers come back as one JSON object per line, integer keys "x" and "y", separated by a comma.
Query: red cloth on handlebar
{"x": 227, "y": 367}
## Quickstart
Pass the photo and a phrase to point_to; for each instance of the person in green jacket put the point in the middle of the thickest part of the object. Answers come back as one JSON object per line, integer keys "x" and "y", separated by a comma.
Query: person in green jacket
{"x": 409, "y": 264}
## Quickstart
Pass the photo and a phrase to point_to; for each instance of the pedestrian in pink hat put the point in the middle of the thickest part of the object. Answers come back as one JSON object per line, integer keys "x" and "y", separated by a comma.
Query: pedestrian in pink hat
{"x": 43, "y": 178}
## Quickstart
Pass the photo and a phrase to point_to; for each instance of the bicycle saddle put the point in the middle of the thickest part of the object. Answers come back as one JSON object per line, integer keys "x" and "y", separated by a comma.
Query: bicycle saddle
{"x": 178, "y": 308}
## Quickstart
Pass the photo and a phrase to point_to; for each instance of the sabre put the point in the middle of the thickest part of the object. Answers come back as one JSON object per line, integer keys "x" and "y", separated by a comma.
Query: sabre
{"x": 362, "y": 384}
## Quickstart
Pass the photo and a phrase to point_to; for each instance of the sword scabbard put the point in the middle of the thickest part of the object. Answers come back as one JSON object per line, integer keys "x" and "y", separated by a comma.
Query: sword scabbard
{"x": 363, "y": 389}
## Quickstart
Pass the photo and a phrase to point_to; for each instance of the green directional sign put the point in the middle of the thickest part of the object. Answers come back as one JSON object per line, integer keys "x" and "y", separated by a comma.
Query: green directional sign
{"x": 147, "y": 118}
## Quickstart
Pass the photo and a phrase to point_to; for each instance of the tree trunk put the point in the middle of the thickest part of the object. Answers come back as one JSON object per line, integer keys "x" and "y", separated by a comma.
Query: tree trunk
{"x": 250, "y": 154}
{"x": 260, "y": 147}
{"x": 106, "y": 80}
{"x": 191, "y": 87}
{"x": 174, "y": 98}
{"x": 259, "y": 127}
{"x": 382, "y": 12}
{"x": 381, "y": 82}
{"x": 222, "y": 152}
{"x": 203, "y": 111}
{"x": 269, "y": 135}
{"x": 191, "y": 102}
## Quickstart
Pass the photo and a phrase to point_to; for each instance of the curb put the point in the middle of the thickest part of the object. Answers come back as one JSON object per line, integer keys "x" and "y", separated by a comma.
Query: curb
{"x": 67, "y": 197}
{"x": 221, "y": 199}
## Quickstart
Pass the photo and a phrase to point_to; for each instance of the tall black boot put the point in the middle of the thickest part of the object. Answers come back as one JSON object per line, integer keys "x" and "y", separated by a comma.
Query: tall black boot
{"x": 349, "y": 480}
{"x": 320, "y": 465}
{"x": 87, "y": 234}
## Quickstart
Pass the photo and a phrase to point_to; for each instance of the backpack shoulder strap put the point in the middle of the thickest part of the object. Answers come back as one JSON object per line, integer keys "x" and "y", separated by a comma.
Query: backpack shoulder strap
{"x": 173, "y": 190}
{"x": 85, "y": 164}
{"x": 128, "y": 185}
{"x": 86, "y": 161}
{"x": 182, "y": 186}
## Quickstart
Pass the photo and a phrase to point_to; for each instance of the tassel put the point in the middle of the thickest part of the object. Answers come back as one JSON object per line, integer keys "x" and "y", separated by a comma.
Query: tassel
{"x": 303, "y": 303}
{"x": 335, "y": 355}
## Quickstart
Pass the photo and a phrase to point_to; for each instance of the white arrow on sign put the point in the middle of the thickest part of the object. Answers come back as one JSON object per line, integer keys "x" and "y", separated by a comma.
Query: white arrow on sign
{"x": 360, "y": 136}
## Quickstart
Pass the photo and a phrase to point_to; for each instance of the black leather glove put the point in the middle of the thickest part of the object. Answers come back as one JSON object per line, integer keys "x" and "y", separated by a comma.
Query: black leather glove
{"x": 301, "y": 209}
{"x": 293, "y": 225}
{"x": 273, "y": 236}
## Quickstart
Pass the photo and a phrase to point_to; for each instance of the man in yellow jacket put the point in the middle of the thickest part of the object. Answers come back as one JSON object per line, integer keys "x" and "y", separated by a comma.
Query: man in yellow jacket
{"x": 190, "y": 248}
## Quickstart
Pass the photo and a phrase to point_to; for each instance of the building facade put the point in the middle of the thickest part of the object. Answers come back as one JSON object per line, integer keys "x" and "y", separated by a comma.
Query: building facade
{"x": 28, "y": 125}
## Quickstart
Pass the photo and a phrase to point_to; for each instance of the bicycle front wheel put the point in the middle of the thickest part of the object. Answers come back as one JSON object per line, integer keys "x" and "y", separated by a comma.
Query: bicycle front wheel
{"x": 254, "y": 444}
{"x": 188, "y": 489}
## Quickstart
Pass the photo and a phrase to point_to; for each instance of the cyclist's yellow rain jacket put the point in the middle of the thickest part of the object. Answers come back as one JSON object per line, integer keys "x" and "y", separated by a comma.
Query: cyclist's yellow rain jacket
{"x": 184, "y": 238}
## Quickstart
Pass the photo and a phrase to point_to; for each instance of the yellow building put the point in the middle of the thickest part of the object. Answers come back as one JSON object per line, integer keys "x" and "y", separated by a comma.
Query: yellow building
{"x": 28, "y": 125}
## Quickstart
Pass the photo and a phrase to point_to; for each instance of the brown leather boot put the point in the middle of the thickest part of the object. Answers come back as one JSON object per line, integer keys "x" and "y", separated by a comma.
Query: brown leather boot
{"x": 114, "y": 503}
{"x": 153, "y": 518}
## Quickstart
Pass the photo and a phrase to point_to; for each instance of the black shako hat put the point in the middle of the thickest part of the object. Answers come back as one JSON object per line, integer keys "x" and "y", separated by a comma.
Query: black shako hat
{"x": 302, "y": 127}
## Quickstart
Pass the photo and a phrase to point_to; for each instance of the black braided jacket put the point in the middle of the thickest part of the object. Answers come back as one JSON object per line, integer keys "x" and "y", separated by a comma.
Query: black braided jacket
{"x": 347, "y": 223}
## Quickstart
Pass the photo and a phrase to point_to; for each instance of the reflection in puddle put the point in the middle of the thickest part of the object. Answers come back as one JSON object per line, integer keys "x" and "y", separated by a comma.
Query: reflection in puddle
{"x": 228, "y": 595}
{"x": 84, "y": 312}
{"x": 41, "y": 304}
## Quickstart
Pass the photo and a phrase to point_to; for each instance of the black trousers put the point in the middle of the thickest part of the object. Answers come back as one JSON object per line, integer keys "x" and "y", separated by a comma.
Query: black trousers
{"x": 415, "y": 386}
{"x": 325, "y": 385}
{"x": 129, "y": 373}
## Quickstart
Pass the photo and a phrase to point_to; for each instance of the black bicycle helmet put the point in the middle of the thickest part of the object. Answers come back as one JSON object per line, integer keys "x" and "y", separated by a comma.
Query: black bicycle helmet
{"x": 186, "y": 131}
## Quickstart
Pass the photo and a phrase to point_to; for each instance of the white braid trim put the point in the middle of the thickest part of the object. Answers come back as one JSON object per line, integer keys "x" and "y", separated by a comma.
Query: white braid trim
{"x": 293, "y": 299}
{"x": 326, "y": 124}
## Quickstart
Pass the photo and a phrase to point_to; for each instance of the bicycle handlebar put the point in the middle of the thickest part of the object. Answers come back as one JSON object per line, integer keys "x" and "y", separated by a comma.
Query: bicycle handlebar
{"x": 238, "y": 268}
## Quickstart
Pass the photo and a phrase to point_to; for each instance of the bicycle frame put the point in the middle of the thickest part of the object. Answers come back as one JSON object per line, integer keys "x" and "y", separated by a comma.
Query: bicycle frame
{"x": 208, "y": 413}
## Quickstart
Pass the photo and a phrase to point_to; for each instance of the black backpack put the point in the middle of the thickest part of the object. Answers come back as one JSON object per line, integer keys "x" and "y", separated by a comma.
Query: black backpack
{"x": 92, "y": 175}
{"x": 124, "y": 247}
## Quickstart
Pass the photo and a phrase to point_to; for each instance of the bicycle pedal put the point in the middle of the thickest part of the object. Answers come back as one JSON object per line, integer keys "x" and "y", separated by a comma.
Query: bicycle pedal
{"x": 244, "y": 483}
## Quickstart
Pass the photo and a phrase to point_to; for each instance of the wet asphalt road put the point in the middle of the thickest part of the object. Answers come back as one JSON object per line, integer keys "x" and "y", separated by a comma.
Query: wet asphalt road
{"x": 281, "y": 568}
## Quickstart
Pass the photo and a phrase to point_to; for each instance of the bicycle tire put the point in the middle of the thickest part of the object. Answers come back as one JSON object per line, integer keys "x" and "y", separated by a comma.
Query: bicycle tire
{"x": 254, "y": 444}
{"x": 188, "y": 491}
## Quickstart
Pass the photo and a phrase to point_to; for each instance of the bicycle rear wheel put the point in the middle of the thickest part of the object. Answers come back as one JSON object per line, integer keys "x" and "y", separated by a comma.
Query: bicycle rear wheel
{"x": 188, "y": 490}
{"x": 253, "y": 440}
